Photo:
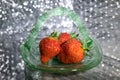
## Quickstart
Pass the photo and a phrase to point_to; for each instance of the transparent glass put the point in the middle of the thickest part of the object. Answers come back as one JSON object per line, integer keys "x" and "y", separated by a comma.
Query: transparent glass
{"x": 30, "y": 49}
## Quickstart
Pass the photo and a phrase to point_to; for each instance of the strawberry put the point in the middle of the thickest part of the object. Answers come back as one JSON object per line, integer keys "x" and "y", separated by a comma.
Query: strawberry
{"x": 49, "y": 47}
{"x": 71, "y": 52}
{"x": 63, "y": 37}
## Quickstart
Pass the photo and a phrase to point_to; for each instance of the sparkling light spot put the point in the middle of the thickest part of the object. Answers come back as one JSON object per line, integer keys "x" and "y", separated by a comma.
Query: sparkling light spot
{"x": 103, "y": 37}
{"x": 20, "y": 6}
{"x": 101, "y": 17}
{"x": 111, "y": 5}
{"x": 96, "y": 28}
{"x": 106, "y": 1}
{"x": 106, "y": 7}
{"x": 111, "y": 27}
{"x": 25, "y": 3}
{"x": 113, "y": 17}
{"x": 103, "y": 65}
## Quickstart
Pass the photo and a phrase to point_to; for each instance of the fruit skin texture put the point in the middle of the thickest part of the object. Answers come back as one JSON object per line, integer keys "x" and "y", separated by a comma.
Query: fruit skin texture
{"x": 63, "y": 37}
{"x": 49, "y": 48}
{"x": 71, "y": 52}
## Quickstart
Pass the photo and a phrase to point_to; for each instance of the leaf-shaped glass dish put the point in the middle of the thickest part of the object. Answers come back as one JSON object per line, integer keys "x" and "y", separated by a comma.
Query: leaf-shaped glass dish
{"x": 30, "y": 50}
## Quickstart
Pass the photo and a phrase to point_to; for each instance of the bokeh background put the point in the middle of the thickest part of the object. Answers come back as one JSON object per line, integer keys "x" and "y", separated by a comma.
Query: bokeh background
{"x": 101, "y": 18}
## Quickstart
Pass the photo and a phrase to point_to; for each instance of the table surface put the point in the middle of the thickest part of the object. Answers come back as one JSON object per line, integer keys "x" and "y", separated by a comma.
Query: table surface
{"x": 101, "y": 17}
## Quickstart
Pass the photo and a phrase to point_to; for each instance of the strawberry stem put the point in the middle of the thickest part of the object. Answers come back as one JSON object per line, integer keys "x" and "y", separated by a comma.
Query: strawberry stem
{"x": 87, "y": 48}
{"x": 53, "y": 34}
{"x": 73, "y": 35}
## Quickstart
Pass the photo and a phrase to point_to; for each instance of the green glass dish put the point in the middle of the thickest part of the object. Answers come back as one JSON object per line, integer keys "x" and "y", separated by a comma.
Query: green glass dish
{"x": 30, "y": 50}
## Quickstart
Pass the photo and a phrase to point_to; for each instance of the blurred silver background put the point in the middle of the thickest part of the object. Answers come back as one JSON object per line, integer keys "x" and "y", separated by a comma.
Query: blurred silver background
{"x": 101, "y": 18}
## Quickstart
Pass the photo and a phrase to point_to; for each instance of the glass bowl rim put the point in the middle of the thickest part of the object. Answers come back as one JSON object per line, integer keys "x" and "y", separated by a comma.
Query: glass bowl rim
{"x": 41, "y": 20}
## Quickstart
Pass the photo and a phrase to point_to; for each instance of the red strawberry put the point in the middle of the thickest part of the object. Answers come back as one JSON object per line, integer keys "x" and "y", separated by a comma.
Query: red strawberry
{"x": 49, "y": 47}
{"x": 71, "y": 52}
{"x": 63, "y": 37}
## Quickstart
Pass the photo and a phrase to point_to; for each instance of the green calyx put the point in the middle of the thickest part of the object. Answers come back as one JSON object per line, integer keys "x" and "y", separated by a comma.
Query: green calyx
{"x": 74, "y": 35}
{"x": 87, "y": 48}
{"x": 54, "y": 34}
{"x": 87, "y": 45}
